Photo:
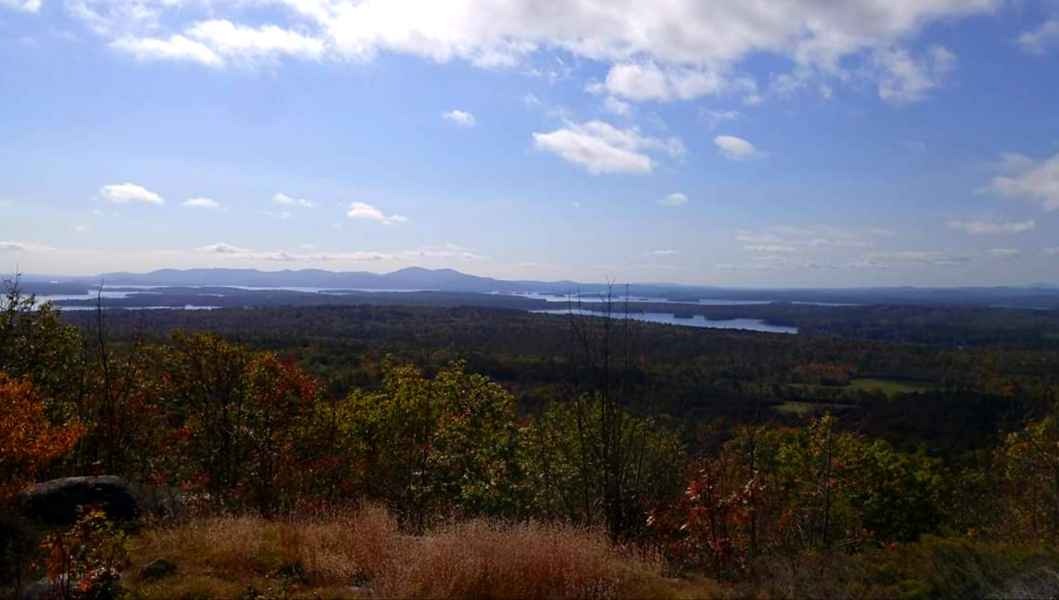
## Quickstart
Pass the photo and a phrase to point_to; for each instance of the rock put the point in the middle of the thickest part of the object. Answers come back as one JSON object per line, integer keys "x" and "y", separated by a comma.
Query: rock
{"x": 40, "y": 590}
{"x": 1042, "y": 582}
{"x": 57, "y": 502}
{"x": 157, "y": 569}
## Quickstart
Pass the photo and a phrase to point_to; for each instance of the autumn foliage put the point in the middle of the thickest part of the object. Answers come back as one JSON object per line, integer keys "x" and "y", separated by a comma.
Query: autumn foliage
{"x": 28, "y": 441}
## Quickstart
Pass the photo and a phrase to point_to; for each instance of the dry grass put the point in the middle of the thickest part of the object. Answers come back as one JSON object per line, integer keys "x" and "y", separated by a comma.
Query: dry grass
{"x": 362, "y": 554}
{"x": 487, "y": 560}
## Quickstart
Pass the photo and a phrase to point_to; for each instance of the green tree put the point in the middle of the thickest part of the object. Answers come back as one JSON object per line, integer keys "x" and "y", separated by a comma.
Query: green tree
{"x": 569, "y": 476}
{"x": 1028, "y": 462}
{"x": 434, "y": 445}
{"x": 36, "y": 343}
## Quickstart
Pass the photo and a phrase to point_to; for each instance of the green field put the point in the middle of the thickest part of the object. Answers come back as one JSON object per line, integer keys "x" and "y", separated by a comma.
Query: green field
{"x": 890, "y": 387}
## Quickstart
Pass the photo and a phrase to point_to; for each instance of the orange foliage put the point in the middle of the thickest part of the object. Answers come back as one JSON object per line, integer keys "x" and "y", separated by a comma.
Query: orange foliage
{"x": 28, "y": 442}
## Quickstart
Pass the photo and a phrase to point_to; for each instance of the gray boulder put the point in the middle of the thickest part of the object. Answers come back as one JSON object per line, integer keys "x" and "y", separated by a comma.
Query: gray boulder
{"x": 58, "y": 501}
{"x": 157, "y": 569}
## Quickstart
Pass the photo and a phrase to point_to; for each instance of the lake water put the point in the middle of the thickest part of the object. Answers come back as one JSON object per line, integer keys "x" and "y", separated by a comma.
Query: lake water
{"x": 671, "y": 319}
{"x": 125, "y": 291}
{"x": 618, "y": 300}
{"x": 599, "y": 299}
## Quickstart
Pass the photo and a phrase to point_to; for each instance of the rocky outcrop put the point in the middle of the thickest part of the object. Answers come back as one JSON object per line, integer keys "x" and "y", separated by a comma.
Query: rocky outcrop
{"x": 58, "y": 502}
{"x": 157, "y": 569}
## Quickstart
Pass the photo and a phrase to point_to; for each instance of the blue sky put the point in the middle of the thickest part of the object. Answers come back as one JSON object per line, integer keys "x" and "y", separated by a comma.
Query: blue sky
{"x": 869, "y": 142}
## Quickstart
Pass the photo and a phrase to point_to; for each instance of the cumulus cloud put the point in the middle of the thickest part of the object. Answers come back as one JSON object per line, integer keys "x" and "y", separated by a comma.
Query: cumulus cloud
{"x": 907, "y": 78}
{"x": 202, "y": 203}
{"x": 661, "y": 253}
{"x": 735, "y": 148}
{"x": 1030, "y": 180}
{"x": 1038, "y": 40}
{"x": 673, "y": 200}
{"x": 714, "y": 118}
{"x": 687, "y": 50}
{"x": 221, "y": 248}
{"x": 281, "y": 199}
{"x": 617, "y": 107}
{"x": 175, "y": 47}
{"x": 129, "y": 193}
{"x": 29, "y": 6}
{"x": 992, "y": 228}
{"x": 601, "y": 147}
{"x": 218, "y": 42}
{"x": 367, "y": 212}
{"x": 459, "y": 117}
{"x": 642, "y": 82}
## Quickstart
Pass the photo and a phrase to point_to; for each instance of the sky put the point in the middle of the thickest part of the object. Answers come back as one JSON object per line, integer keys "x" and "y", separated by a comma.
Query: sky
{"x": 741, "y": 143}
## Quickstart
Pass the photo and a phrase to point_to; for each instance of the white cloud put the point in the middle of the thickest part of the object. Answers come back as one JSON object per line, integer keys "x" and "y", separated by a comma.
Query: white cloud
{"x": 447, "y": 250}
{"x": 1027, "y": 179}
{"x": 617, "y": 107}
{"x": 647, "y": 81}
{"x": 282, "y": 199}
{"x": 6, "y": 246}
{"x": 361, "y": 210}
{"x": 661, "y": 253}
{"x": 600, "y": 147}
{"x": 991, "y": 228}
{"x": 224, "y": 250}
{"x": 687, "y": 49}
{"x": 787, "y": 239}
{"x": 201, "y": 203}
{"x": 30, "y": 6}
{"x": 23, "y": 247}
{"x": 1040, "y": 39}
{"x": 176, "y": 47}
{"x": 673, "y": 200}
{"x": 914, "y": 257}
{"x": 217, "y": 42}
{"x": 714, "y": 118}
{"x": 735, "y": 148}
{"x": 459, "y": 117}
{"x": 770, "y": 248}
{"x": 906, "y": 79}
{"x": 126, "y": 193}
{"x": 254, "y": 43}
{"x": 1007, "y": 253}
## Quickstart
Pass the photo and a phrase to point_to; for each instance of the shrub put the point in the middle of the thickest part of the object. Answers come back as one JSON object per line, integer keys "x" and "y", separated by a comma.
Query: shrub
{"x": 28, "y": 441}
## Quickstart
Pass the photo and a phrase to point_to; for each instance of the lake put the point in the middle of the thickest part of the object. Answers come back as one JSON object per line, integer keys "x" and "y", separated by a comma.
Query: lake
{"x": 671, "y": 319}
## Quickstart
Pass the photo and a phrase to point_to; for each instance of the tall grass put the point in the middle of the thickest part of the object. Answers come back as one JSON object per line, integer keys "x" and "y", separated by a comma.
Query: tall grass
{"x": 361, "y": 553}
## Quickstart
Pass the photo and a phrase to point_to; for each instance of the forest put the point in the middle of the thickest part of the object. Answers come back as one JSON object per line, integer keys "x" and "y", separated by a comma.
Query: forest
{"x": 370, "y": 451}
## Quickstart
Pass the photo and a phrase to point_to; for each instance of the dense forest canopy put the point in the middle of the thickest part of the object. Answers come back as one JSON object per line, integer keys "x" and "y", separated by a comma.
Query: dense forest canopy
{"x": 721, "y": 449}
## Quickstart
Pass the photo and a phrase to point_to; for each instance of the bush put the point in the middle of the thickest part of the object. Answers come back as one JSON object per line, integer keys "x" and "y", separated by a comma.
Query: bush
{"x": 28, "y": 441}
{"x": 932, "y": 568}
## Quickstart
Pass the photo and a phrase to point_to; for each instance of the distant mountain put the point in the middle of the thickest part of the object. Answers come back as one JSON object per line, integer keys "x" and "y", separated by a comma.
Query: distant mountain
{"x": 411, "y": 278}
{"x": 1039, "y": 295}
